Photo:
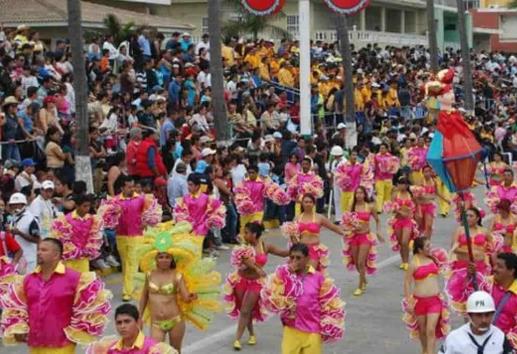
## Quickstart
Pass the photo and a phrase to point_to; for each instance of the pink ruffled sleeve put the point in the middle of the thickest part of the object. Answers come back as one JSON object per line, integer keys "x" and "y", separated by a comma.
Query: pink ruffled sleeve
{"x": 243, "y": 201}
{"x": 290, "y": 230}
{"x": 280, "y": 292}
{"x": 152, "y": 213}
{"x": 512, "y": 335}
{"x": 15, "y": 317}
{"x": 492, "y": 199}
{"x": 181, "y": 212}
{"x": 240, "y": 253}
{"x": 332, "y": 321}
{"x": 90, "y": 309}
{"x": 342, "y": 177}
{"x": 314, "y": 187}
{"x": 92, "y": 249}
{"x": 110, "y": 212}
{"x": 62, "y": 230}
{"x": 277, "y": 195}
{"x": 216, "y": 214}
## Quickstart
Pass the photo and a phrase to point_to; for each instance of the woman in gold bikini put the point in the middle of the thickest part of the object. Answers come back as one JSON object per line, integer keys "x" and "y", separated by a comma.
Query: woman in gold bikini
{"x": 161, "y": 288}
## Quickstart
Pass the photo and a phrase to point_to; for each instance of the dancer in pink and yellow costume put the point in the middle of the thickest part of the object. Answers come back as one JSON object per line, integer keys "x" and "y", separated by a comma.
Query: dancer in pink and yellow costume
{"x": 129, "y": 213}
{"x": 504, "y": 224}
{"x": 495, "y": 170}
{"x": 385, "y": 167}
{"x": 243, "y": 286}
{"x": 468, "y": 200}
{"x": 459, "y": 283}
{"x": 308, "y": 304}
{"x": 304, "y": 182}
{"x": 360, "y": 244}
{"x": 200, "y": 210}
{"x": 417, "y": 159}
{"x": 131, "y": 340}
{"x": 349, "y": 175}
{"x": 81, "y": 235}
{"x": 402, "y": 224}
{"x": 425, "y": 308}
{"x": 506, "y": 190}
{"x": 251, "y": 193}
{"x": 77, "y": 303}
{"x": 306, "y": 229}
{"x": 425, "y": 194}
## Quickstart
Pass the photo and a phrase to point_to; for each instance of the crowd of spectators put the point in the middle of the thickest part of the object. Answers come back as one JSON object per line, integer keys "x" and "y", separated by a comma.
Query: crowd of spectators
{"x": 150, "y": 112}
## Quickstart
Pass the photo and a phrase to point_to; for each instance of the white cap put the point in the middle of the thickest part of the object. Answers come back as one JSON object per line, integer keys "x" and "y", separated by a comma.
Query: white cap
{"x": 480, "y": 302}
{"x": 341, "y": 126}
{"x": 204, "y": 139}
{"x": 47, "y": 185}
{"x": 336, "y": 151}
{"x": 18, "y": 198}
{"x": 277, "y": 135}
{"x": 207, "y": 152}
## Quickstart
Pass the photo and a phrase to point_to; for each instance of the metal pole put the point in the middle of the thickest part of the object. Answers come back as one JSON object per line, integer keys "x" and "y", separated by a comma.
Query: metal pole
{"x": 346, "y": 53}
{"x": 469, "y": 240}
{"x": 304, "y": 13}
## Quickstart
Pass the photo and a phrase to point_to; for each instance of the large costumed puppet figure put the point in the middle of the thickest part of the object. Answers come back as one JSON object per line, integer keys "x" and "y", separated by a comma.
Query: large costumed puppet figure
{"x": 454, "y": 154}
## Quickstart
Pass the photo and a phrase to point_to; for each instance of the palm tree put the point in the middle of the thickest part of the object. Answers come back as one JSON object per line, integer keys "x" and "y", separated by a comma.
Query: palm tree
{"x": 431, "y": 29}
{"x": 216, "y": 70}
{"x": 465, "y": 57}
{"x": 246, "y": 22}
{"x": 346, "y": 54}
{"x": 119, "y": 31}
{"x": 83, "y": 169}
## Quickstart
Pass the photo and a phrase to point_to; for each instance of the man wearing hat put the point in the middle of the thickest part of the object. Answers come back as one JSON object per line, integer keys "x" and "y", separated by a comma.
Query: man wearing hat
{"x": 26, "y": 231}
{"x": 26, "y": 177}
{"x": 43, "y": 208}
{"x": 479, "y": 335}
{"x": 10, "y": 129}
{"x": 337, "y": 157}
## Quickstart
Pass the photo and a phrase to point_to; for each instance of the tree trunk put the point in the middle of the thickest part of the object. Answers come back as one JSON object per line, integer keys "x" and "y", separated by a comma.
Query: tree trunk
{"x": 83, "y": 169}
{"x": 465, "y": 57}
{"x": 346, "y": 53}
{"x": 216, "y": 70}
{"x": 431, "y": 29}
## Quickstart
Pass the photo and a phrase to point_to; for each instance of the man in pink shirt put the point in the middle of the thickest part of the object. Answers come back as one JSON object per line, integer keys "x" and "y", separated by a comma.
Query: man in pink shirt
{"x": 308, "y": 303}
{"x": 129, "y": 213}
{"x": 504, "y": 292}
{"x": 76, "y": 303}
{"x": 132, "y": 340}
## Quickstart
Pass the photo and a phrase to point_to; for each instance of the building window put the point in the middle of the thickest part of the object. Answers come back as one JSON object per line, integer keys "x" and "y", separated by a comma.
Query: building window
{"x": 293, "y": 25}
{"x": 471, "y": 4}
{"x": 204, "y": 25}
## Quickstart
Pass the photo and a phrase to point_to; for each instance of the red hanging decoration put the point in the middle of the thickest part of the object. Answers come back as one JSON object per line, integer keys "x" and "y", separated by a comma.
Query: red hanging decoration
{"x": 346, "y": 7}
{"x": 263, "y": 7}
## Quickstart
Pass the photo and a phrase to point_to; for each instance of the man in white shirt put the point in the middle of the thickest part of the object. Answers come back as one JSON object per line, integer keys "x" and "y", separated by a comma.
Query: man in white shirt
{"x": 26, "y": 177}
{"x": 204, "y": 44}
{"x": 43, "y": 208}
{"x": 337, "y": 153}
{"x": 478, "y": 336}
{"x": 108, "y": 44}
{"x": 25, "y": 228}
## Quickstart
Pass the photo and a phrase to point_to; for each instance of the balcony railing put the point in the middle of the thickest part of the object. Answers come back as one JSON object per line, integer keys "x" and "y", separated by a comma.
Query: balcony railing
{"x": 387, "y": 38}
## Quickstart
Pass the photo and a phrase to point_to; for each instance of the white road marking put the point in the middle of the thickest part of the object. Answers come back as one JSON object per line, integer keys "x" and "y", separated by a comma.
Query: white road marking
{"x": 228, "y": 331}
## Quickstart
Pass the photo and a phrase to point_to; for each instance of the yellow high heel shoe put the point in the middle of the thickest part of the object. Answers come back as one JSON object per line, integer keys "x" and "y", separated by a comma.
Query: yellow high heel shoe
{"x": 358, "y": 292}
{"x": 237, "y": 345}
{"x": 252, "y": 340}
{"x": 405, "y": 266}
{"x": 363, "y": 287}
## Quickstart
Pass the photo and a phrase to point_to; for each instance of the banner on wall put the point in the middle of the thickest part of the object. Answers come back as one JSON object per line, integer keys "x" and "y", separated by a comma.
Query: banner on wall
{"x": 263, "y": 7}
{"x": 346, "y": 7}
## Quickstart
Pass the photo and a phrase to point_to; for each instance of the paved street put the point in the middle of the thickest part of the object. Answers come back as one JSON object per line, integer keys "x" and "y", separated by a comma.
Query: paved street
{"x": 373, "y": 322}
